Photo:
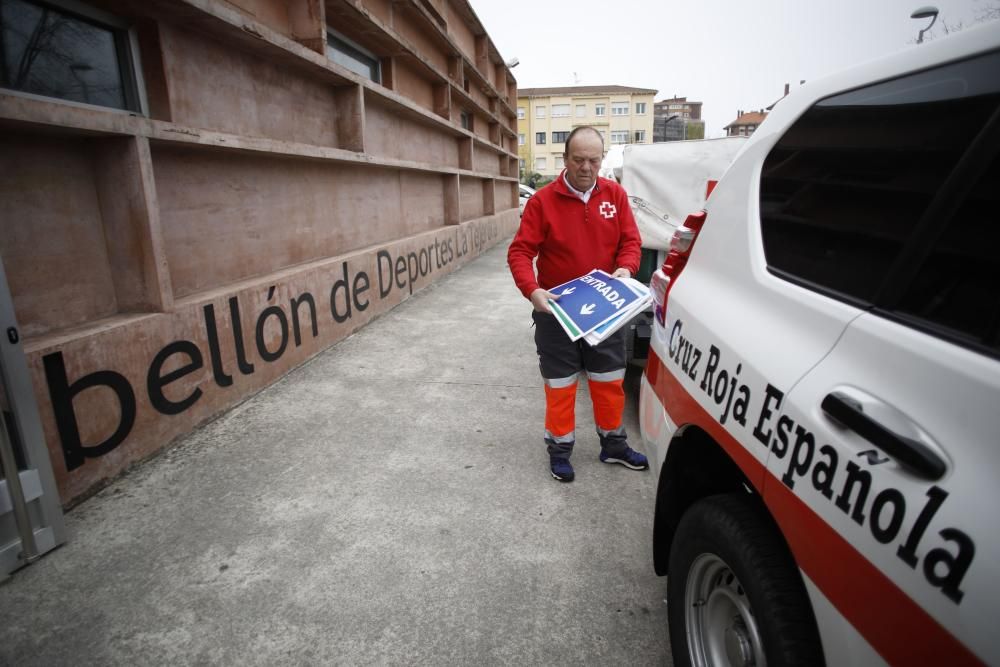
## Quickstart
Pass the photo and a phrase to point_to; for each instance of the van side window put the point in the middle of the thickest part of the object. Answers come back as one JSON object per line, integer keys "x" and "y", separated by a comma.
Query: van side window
{"x": 887, "y": 196}
{"x": 957, "y": 285}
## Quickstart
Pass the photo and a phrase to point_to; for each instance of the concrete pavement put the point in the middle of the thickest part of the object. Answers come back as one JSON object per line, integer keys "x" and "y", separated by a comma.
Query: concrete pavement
{"x": 386, "y": 503}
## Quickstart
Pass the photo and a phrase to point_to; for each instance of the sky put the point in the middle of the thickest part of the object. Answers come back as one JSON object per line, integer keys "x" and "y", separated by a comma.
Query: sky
{"x": 728, "y": 55}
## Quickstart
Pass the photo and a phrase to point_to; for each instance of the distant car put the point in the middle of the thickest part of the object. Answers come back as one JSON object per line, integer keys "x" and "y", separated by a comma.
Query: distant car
{"x": 525, "y": 195}
{"x": 821, "y": 402}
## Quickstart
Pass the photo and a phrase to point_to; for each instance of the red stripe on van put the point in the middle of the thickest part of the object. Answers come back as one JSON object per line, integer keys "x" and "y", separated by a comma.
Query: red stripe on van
{"x": 679, "y": 403}
{"x": 896, "y": 626}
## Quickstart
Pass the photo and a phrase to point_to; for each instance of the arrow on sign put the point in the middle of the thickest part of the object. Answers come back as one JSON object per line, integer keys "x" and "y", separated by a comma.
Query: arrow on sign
{"x": 588, "y": 309}
{"x": 568, "y": 290}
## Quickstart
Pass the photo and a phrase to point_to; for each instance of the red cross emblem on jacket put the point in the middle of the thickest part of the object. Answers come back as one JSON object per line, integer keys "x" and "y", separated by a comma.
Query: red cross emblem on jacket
{"x": 607, "y": 210}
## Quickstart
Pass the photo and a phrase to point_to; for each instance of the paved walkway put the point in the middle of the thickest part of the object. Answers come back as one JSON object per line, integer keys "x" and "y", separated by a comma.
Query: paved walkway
{"x": 387, "y": 503}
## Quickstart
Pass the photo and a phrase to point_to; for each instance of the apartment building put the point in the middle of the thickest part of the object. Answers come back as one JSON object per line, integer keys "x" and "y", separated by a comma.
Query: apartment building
{"x": 201, "y": 195}
{"x": 746, "y": 123}
{"x": 677, "y": 119}
{"x": 546, "y": 116}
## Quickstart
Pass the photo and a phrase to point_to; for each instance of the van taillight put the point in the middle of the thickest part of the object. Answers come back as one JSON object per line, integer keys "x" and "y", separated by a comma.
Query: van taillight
{"x": 677, "y": 257}
{"x": 709, "y": 186}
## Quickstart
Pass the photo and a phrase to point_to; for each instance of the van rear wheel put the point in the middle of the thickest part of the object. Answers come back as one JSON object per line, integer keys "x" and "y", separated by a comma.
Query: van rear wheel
{"x": 734, "y": 594}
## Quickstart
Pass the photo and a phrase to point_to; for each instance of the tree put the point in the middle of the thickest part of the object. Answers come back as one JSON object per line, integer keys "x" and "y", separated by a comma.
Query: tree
{"x": 535, "y": 180}
{"x": 990, "y": 11}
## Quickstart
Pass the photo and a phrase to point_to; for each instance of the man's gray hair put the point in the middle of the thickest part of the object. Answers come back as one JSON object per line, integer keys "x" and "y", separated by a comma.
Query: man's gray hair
{"x": 579, "y": 129}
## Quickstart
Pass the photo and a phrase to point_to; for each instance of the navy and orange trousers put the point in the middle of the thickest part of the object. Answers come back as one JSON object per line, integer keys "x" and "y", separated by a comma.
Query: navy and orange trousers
{"x": 561, "y": 362}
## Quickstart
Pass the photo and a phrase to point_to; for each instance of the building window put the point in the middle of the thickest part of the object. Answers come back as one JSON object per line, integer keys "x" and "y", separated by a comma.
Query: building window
{"x": 539, "y": 112}
{"x": 539, "y": 137}
{"x": 559, "y": 162}
{"x": 520, "y": 113}
{"x": 560, "y": 110}
{"x": 640, "y": 108}
{"x": 352, "y": 56}
{"x": 539, "y": 163}
{"x": 619, "y": 108}
{"x": 598, "y": 109}
{"x": 619, "y": 136}
{"x": 520, "y": 140}
{"x": 640, "y": 136}
{"x": 559, "y": 137}
{"x": 520, "y": 164}
{"x": 581, "y": 110}
{"x": 467, "y": 120}
{"x": 85, "y": 56}
{"x": 743, "y": 130}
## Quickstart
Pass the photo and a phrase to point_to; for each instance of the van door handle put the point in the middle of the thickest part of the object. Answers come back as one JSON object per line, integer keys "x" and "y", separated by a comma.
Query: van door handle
{"x": 912, "y": 454}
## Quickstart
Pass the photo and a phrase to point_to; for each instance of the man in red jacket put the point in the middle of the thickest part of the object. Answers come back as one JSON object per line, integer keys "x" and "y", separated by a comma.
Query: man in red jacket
{"x": 575, "y": 224}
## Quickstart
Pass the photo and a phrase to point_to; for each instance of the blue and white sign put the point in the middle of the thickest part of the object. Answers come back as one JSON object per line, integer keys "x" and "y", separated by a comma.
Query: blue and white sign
{"x": 589, "y": 301}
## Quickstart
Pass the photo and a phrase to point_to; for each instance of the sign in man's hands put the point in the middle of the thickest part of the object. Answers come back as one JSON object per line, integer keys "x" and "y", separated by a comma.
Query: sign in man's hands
{"x": 540, "y": 300}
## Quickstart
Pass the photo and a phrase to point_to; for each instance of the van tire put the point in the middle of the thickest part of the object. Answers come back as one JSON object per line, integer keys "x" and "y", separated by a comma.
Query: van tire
{"x": 728, "y": 556}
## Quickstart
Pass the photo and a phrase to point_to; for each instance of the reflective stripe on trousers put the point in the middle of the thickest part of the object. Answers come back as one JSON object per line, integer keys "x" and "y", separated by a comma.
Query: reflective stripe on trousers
{"x": 607, "y": 394}
{"x": 560, "y": 408}
{"x": 608, "y": 398}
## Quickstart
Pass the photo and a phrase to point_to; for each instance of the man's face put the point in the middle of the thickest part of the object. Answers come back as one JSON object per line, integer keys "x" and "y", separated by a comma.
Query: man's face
{"x": 583, "y": 160}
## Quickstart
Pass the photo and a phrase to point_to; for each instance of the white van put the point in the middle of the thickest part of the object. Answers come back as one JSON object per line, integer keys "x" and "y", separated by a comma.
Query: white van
{"x": 664, "y": 181}
{"x": 821, "y": 403}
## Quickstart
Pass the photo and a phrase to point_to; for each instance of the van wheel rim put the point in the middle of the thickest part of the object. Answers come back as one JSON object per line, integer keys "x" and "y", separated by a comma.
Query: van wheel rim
{"x": 721, "y": 627}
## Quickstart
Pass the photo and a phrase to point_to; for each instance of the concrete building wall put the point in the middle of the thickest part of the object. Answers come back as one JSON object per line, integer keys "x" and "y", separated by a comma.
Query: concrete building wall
{"x": 266, "y": 201}
{"x": 52, "y": 223}
{"x": 381, "y": 9}
{"x": 275, "y": 101}
{"x": 397, "y": 136}
{"x": 460, "y": 31}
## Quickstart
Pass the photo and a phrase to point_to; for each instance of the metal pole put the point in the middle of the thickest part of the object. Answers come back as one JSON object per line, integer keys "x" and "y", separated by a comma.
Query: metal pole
{"x": 29, "y": 550}
{"x": 9, "y": 391}
{"x": 925, "y": 13}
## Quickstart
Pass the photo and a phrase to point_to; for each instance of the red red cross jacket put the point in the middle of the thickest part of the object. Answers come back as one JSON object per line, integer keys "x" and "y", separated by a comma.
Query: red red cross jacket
{"x": 571, "y": 238}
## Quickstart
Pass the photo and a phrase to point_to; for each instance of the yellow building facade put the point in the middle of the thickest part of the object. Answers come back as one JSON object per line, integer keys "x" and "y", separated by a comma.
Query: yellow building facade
{"x": 546, "y": 116}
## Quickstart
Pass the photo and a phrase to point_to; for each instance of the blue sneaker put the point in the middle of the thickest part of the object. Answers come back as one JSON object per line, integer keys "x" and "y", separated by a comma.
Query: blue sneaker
{"x": 561, "y": 469}
{"x": 631, "y": 459}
